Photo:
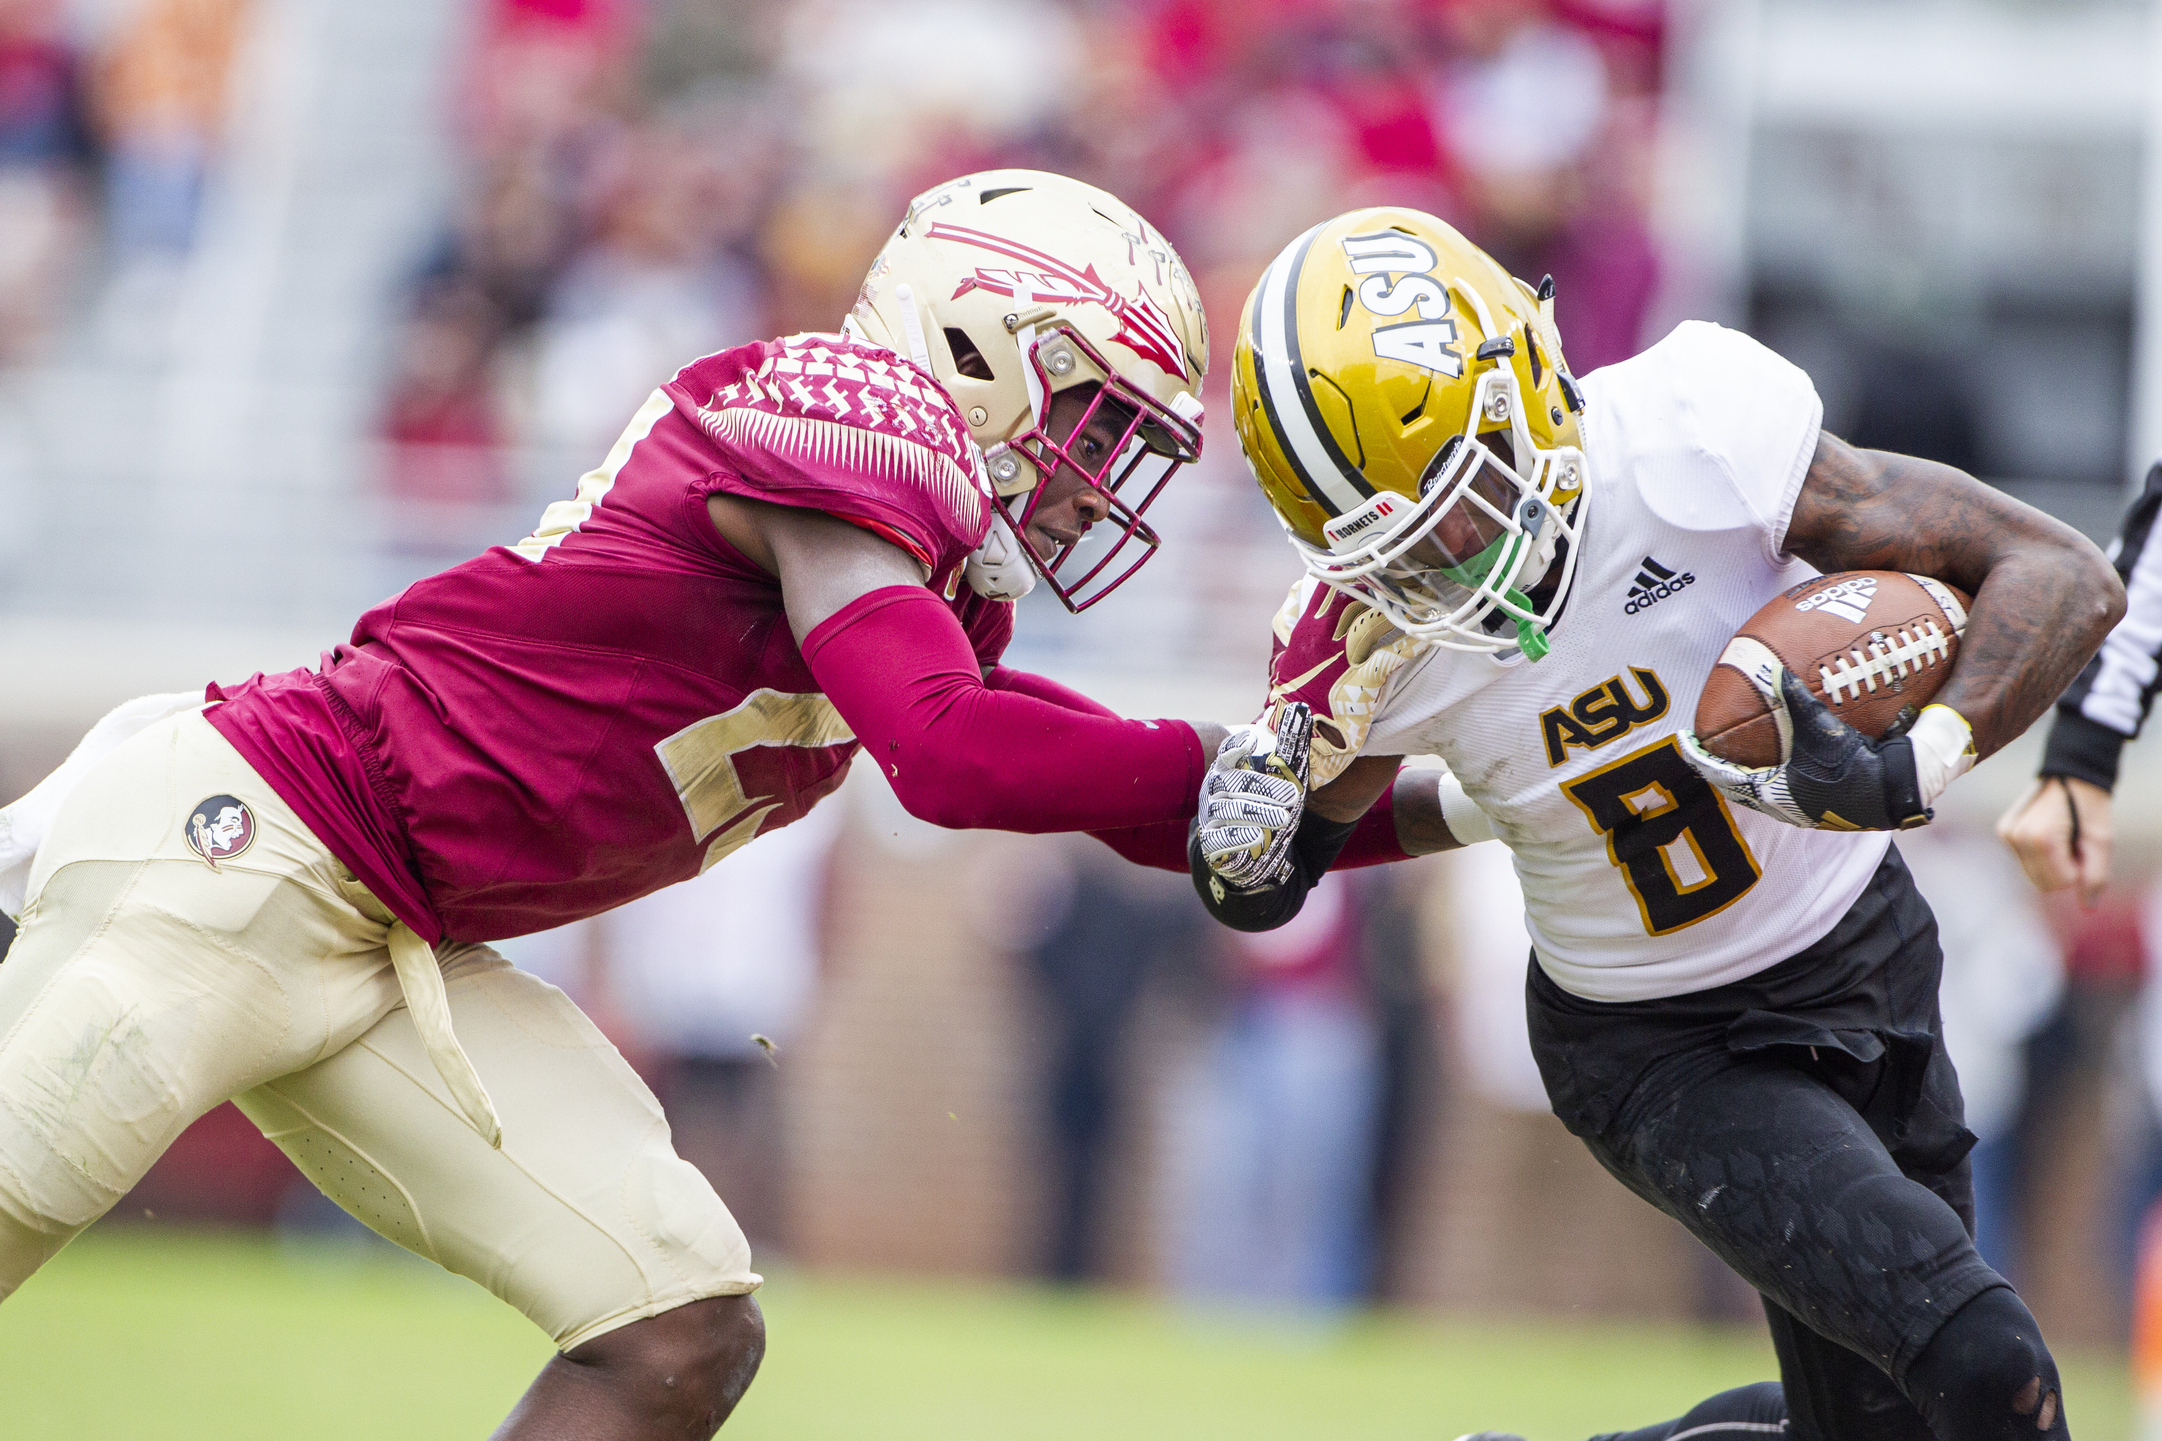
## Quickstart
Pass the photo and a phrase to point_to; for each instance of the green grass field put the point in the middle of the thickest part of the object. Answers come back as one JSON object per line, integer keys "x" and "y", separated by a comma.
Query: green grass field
{"x": 171, "y": 1336}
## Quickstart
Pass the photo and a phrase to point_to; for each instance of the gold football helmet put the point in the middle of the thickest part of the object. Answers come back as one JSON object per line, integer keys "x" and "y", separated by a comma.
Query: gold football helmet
{"x": 1011, "y": 286}
{"x": 1405, "y": 406}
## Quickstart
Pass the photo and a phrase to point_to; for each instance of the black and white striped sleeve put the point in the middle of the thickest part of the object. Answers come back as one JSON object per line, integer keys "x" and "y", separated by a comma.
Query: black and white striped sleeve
{"x": 2105, "y": 707}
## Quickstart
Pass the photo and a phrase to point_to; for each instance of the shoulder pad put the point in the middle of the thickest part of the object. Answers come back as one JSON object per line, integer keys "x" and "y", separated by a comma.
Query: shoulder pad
{"x": 841, "y": 408}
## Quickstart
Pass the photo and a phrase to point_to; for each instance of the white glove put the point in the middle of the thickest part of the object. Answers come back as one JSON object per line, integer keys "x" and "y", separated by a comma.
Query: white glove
{"x": 23, "y": 825}
{"x": 1252, "y": 798}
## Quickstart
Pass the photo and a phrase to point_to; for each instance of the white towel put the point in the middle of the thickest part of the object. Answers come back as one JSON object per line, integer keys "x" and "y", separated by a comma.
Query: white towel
{"x": 421, "y": 978}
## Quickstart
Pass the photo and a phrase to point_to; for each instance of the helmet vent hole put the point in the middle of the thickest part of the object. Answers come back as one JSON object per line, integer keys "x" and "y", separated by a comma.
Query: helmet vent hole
{"x": 990, "y": 195}
{"x": 1351, "y": 416}
{"x": 967, "y": 359}
{"x": 1418, "y": 410}
{"x": 1531, "y": 348}
{"x": 1343, "y": 312}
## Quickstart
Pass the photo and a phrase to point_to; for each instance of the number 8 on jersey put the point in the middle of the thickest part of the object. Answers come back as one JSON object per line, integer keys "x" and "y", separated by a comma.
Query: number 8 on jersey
{"x": 1670, "y": 834}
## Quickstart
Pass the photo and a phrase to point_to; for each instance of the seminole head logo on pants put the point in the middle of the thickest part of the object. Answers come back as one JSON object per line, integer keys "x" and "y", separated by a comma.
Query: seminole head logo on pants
{"x": 220, "y": 828}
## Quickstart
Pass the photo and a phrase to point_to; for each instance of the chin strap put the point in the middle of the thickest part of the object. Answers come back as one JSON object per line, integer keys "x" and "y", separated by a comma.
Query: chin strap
{"x": 999, "y": 568}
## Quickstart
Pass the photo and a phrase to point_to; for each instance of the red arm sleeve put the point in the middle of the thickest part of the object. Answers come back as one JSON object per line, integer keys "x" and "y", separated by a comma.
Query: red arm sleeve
{"x": 1163, "y": 845}
{"x": 958, "y": 753}
{"x": 1021, "y": 682}
{"x": 1374, "y": 843}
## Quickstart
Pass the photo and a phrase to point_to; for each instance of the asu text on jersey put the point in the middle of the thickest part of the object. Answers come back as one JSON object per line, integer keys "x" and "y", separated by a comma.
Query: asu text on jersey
{"x": 1604, "y": 713}
{"x": 1639, "y": 881}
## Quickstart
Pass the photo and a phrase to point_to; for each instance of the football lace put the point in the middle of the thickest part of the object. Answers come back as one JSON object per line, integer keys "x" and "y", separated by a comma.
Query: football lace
{"x": 1885, "y": 660}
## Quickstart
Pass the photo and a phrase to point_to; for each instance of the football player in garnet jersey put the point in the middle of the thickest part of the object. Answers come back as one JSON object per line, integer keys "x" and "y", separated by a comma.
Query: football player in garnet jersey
{"x": 1732, "y": 995}
{"x": 798, "y": 549}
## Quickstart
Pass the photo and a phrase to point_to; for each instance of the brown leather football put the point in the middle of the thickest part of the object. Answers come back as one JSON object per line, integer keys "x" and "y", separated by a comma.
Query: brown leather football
{"x": 1874, "y": 645}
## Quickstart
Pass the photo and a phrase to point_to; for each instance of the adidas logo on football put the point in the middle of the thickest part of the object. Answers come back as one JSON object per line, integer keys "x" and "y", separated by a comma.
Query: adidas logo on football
{"x": 1654, "y": 583}
{"x": 1848, "y": 599}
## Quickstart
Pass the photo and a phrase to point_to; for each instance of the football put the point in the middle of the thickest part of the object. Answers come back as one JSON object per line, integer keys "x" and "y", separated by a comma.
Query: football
{"x": 1874, "y": 645}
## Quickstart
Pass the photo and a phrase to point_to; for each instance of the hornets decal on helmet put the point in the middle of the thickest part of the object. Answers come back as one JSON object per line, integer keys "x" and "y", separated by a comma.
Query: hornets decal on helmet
{"x": 1404, "y": 404}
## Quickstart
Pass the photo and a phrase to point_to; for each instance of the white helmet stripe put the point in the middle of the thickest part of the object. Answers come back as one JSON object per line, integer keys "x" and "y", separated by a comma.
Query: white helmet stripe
{"x": 1275, "y": 350}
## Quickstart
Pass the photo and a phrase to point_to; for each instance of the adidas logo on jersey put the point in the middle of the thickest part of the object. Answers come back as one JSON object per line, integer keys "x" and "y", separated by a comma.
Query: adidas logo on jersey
{"x": 1654, "y": 583}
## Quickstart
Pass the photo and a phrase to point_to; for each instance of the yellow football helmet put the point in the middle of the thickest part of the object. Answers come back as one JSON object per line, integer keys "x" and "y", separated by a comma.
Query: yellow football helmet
{"x": 1381, "y": 361}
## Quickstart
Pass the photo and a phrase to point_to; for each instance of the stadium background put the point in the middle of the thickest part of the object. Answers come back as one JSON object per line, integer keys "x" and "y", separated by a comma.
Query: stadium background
{"x": 300, "y": 300}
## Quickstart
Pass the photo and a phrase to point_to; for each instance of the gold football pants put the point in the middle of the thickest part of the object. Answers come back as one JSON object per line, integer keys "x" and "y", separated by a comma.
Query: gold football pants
{"x": 148, "y": 984}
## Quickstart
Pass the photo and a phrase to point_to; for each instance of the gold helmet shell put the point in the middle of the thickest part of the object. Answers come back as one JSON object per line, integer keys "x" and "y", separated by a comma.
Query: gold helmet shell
{"x": 1382, "y": 362}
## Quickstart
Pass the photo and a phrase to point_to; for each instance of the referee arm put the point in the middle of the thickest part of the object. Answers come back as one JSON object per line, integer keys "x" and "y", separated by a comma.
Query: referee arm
{"x": 2061, "y": 829}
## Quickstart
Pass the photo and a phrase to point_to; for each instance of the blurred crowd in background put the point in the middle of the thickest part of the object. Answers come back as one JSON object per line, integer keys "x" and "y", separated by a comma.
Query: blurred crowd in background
{"x": 647, "y": 183}
{"x": 109, "y": 123}
{"x": 642, "y": 183}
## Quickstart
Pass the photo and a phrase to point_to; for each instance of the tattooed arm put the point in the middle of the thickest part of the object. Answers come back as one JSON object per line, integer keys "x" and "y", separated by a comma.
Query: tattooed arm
{"x": 2043, "y": 595}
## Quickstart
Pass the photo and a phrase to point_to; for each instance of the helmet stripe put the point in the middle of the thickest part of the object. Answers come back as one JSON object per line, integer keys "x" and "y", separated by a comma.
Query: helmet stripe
{"x": 1322, "y": 467}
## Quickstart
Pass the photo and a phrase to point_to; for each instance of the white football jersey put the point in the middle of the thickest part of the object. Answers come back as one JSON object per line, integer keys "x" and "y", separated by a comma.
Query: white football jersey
{"x": 1639, "y": 879}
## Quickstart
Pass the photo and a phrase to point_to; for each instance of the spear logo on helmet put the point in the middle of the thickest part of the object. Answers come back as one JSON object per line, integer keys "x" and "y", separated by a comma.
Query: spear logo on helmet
{"x": 1143, "y": 327}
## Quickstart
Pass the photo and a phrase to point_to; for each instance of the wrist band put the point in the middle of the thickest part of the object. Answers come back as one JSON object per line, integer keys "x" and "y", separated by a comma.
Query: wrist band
{"x": 1943, "y": 750}
{"x": 1466, "y": 822}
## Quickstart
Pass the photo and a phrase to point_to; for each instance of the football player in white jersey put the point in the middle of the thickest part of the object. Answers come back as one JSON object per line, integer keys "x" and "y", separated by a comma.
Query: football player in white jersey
{"x": 1733, "y": 989}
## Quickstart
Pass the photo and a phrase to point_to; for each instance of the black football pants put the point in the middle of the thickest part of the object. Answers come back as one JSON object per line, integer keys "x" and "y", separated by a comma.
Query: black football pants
{"x": 1806, "y": 1125}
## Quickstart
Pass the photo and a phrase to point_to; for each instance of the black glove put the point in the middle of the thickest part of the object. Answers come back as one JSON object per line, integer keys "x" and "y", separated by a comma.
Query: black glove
{"x": 1832, "y": 777}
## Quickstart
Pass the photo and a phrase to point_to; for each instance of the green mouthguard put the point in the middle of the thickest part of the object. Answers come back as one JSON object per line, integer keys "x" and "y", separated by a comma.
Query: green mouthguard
{"x": 1472, "y": 574}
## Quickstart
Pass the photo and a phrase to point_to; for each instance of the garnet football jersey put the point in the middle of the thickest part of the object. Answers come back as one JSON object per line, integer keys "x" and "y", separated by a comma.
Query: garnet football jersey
{"x": 1639, "y": 879}
{"x": 616, "y": 702}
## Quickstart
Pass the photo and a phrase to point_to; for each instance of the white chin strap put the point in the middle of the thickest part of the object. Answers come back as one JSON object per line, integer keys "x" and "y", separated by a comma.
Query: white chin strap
{"x": 999, "y": 569}
{"x": 919, "y": 350}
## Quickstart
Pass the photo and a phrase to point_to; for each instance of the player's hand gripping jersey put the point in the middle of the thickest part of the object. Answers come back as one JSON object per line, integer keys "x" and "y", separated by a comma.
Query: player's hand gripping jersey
{"x": 617, "y": 701}
{"x": 1639, "y": 880}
